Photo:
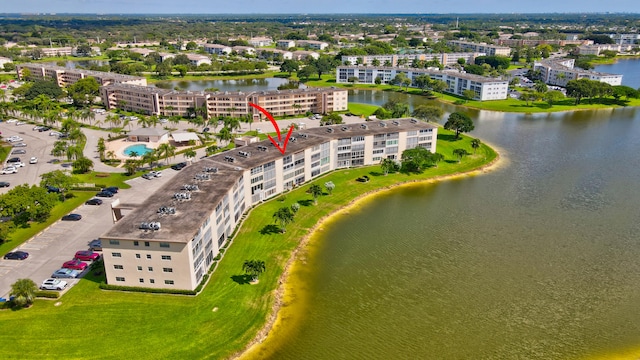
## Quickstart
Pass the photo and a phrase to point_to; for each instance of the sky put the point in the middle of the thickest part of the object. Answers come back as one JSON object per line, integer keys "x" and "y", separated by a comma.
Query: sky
{"x": 314, "y": 6}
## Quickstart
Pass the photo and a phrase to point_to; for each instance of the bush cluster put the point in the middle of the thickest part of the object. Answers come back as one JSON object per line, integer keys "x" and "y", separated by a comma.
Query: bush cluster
{"x": 105, "y": 286}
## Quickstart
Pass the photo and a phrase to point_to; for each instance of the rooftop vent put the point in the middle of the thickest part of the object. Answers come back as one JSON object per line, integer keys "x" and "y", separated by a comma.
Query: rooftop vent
{"x": 229, "y": 159}
{"x": 244, "y": 153}
{"x": 202, "y": 177}
{"x": 190, "y": 187}
{"x": 149, "y": 226}
{"x": 383, "y": 124}
{"x": 166, "y": 210}
{"x": 211, "y": 170}
{"x": 303, "y": 135}
{"x": 263, "y": 148}
{"x": 292, "y": 139}
{"x": 414, "y": 121}
{"x": 395, "y": 123}
{"x": 364, "y": 126}
{"x": 344, "y": 128}
{"x": 182, "y": 196}
{"x": 329, "y": 130}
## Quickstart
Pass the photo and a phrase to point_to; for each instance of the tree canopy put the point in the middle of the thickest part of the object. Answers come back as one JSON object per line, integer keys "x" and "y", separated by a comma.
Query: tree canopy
{"x": 459, "y": 122}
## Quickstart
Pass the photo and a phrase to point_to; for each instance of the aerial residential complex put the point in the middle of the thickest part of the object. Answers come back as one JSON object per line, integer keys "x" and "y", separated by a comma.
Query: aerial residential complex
{"x": 485, "y": 88}
{"x": 560, "y": 71}
{"x": 480, "y": 47}
{"x": 397, "y": 59}
{"x": 131, "y": 93}
{"x": 171, "y": 239}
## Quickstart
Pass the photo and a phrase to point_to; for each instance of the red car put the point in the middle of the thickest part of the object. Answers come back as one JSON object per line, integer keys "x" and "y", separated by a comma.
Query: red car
{"x": 87, "y": 255}
{"x": 75, "y": 265}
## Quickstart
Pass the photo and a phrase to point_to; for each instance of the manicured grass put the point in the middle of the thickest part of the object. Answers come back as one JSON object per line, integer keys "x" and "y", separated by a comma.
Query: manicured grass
{"x": 362, "y": 109}
{"x": 227, "y": 314}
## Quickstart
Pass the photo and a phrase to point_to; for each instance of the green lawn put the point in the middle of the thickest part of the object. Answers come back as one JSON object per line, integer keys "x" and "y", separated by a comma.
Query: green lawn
{"x": 362, "y": 109}
{"x": 227, "y": 314}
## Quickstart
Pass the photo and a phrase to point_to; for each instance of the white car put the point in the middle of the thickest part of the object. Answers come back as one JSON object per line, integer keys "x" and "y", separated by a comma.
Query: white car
{"x": 33, "y": 160}
{"x": 20, "y": 123}
{"x": 10, "y": 121}
{"x": 156, "y": 173}
{"x": 55, "y": 133}
{"x": 53, "y": 284}
{"x": 9, "y": 170}
{"x": 14, "y": 138}
{"x": 18, "y": 164}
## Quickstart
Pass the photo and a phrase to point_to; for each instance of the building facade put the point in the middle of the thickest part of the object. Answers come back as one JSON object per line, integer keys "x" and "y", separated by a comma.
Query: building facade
{"x": 485, "y": 88}
{"x": 560, "y": 71}
{"x": 488, "y": 49}
{"x": 65, "y": 76}
{"x": 394, "y": 60}
{"x": 155, "y": 101}
{"x": 171, "y": 240}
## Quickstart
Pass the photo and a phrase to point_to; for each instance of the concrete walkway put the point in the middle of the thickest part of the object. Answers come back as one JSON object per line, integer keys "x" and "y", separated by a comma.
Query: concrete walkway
{"x": 91, "y": 151}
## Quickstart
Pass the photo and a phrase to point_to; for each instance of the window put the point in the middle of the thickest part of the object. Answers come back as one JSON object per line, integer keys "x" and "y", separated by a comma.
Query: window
{"x": 166, "y": 257}
{"x": 118, "y": 267}
{"x": 150, "y": 268}
{"x": 119, "y": 278}
{"x": 114, "y": 242}
{"x": 116, "y": 254}
{"x": 149, "y": 256}
{"x": 139, "y": 268}
{"x": 141, "y": 280}
{"x": 167, "y": 269}
{"x": 146, "y": 243}
{"x": 166, "y": 245}
{"x": 136, "y": 243}
{"x": 153, "y": 281}
{"x": 168, "y": 282}
{"x": 137, "y": 256}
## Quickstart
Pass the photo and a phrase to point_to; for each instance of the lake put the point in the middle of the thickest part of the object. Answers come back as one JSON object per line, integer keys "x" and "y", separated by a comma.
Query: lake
{"x": 245, "y": 85}
{"x": 630, "y": 68}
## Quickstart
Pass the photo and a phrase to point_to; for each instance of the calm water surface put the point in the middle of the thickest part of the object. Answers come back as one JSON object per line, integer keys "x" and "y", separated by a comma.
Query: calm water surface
{"x": 539, "y": 259}
{"x": 225, "y": 85}
{"x": 630, "y": 68}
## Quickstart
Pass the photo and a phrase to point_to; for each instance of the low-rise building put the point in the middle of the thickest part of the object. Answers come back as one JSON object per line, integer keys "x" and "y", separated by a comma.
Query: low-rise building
{"x": 485, "y": 88}
{"x": 285, "y": 44}
{"x": 269, "y": 53}
{"x": 626, "y": 39}
{"x": 171, "y": 240}
{"x": 197, "y": 59}
{"x": 489, "y": 49}
{"x": 4, "y": 60}
{"x": 65, "y": 76}
{"x": 312, "y": 44}
{"x": 560, "y": 71}
{"x": 599, "y": 48}
{"x": 303, "y": 54}
{"x": 244, "y": 50}
{"x": 260, "y": 41}
{"x": 217, "y": 49}
{"x": 394, "y": 60}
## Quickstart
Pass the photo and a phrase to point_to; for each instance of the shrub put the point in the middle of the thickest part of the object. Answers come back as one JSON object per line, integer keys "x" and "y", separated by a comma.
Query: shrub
{"x": 49, "y": 294}
{"x": 105, "y": 286}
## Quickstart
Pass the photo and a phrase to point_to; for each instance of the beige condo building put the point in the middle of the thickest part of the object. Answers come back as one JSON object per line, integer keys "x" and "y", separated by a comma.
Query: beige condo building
{"x": 65, "y": 76}
{"x": 171, "y": 240}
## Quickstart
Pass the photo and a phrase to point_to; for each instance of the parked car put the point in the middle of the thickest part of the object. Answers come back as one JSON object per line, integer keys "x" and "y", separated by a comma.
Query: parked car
{"x": 4, "y": 184}
{"x": 65, "y": 274}
{"x": 53, "y": 284}
{"x": 75, "y": 265}
{"x": 87, "y": 255}
{"x": 53, "y": 189}
{"x": 13, "y": 160}
{"x": 20, "y": 123}
{"x": 9, "y": 170}
{"x": 111, "y": 189}
{"x": 148, "y": 176}
{"x": 72, "y": 217}
{"x": 16, "y": 255}
{"x": 179, "y": 166}
{"x": 94, "y": 201}
{"x": 156, "y": 173}
{"x": 33, "y": 160}
{"x": 37, "y": 127}
{"x": 14, "y": 138}
{"x": 18, "y": 152}
{"x": 55, "y": 133}
{"x": 20, "y": 144}
{"x": 18, "y": 164}
{"x": 95, "y": 245}
{"x": 44, "y": 128}
{"x": 12, "y": 121}
{"x": 104, "y": 194}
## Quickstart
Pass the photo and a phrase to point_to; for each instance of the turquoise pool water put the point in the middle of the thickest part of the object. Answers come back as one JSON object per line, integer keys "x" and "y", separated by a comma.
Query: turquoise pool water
{"x": 139, "y": 149}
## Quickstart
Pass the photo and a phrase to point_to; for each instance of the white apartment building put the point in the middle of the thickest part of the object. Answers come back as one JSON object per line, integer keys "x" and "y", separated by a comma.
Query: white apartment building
{"x": 171, "y": 240}
{"x": 303, "y": 54}
{"x": 489, "y": 49}
{"x": 286, "y": 55}
{"x": 285, "y": 44}
{"x": 312, "y": 44}
{"x": 626, "y": 39}
{"x": 485, "y": 88}
{"x": 598, "y": 48}
{"x": 260, "y": 41}
{"x": 248, "y": 50}
{"x": 4, "y": 60}
{"x": 197, "y": 59}
{"x": 65, "y": 76}
{"x": 217, "y": 49}
{"x": 394, "y": 60}
{"x": 560, "y": 71}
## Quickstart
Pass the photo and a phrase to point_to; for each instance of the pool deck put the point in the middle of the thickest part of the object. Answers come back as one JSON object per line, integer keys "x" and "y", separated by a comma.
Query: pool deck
{"x": 118, "y": 147}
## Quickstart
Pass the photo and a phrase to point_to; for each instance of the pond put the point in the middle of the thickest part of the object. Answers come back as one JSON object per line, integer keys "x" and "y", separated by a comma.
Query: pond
{"x": 245, "y": 85}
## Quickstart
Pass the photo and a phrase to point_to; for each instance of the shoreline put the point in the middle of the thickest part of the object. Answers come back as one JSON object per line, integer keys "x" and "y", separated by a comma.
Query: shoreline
{"x": 279, "y": 294}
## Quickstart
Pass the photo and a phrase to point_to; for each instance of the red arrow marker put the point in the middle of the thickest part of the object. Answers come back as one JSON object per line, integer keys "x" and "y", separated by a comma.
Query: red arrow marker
{"x": 275, "y": 125}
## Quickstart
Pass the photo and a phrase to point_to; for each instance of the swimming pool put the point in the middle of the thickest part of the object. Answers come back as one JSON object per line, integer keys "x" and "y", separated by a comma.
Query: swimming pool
{"x": 139, "y": 149}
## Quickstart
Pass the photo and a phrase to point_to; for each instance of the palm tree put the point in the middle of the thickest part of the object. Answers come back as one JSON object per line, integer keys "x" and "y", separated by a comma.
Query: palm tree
{"x": 388, "y": 165}
{"x": 225, "y": 135}
{"x": 24, "y": 291}
{"x": 315, "y": 190}
{"x": 102, "y": 148}
{"x": 248, "y": 120}
{"x": 329, "y": 185}
{"x": 131, "y": 166}
{"x": 150, "y": 158}
{"x": 460, "y": 153}
{"x": 83, "y": 165}
{"x": 475, "y": 144}
{"x": 436, "y": 158}
{"x": 284, "y": 216}
{"x": 253, "y": 268}
{"x": 190, "y": 154}
{"x": 59, "y": 148}
{"x": 111, "y": 155}
{"x": 232, "y": 123}
{"x": 166, "y": 150}
{"x": 133, "y": 154}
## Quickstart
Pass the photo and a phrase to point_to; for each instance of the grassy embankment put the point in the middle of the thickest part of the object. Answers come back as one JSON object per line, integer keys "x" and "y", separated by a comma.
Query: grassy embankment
{"x": 229, "y": 312}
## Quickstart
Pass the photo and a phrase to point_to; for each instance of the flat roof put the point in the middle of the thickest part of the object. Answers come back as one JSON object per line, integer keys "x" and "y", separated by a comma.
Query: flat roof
{"x": 190, "y": 214}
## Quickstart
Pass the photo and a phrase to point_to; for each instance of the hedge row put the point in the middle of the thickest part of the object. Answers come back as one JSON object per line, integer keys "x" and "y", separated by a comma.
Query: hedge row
{"x": 105, "y": 286}
{"x": 49, "y": 294}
